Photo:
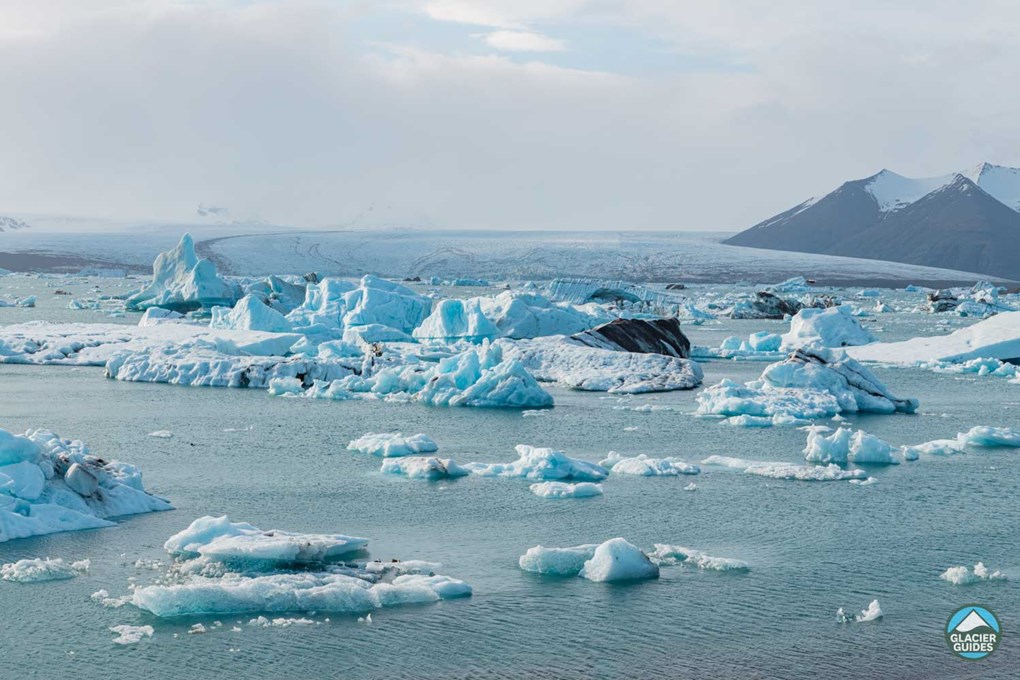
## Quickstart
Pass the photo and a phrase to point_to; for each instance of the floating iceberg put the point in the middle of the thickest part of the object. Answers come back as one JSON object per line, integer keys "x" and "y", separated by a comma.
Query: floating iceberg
{"x": 130, "y": 635}
{"x": 669, "y": 555}
{"x": 280, "y": 572}
{"x": 644, "y": 466}
{"x": 249, "y": 314}
{"x": 872, "y": 613}
{"x": 423, "y": 467}
{"x": 811, "y": 383}
{"x": 980, "y": 436}
{"x": 960, "y": 576}
{"x": 48, "y": 484}
{"x": 557, "y": 561}
{"x": 39, "y": 569}
{"x": 335, "y": 304}
{"x": 792, "y": 471}
{"x": 456, "y": 320}
{"x": 482, "y": 378}
{"x": 994, "y": 338}
{"x": 566, "y": 490}
{"x": 538, "y": 463}
{"x": 832, "y": 327}
{"x": 393, "y": 444}
{"x": 183, "y": 282}
{"x": 222, "y": 540}
{"x": 520, "y": 315}
{"x": 559, "y": 359}
{"x": 843, "y": 447}
{"x": 617, "y": 560}
{"x": 154, "y": 316}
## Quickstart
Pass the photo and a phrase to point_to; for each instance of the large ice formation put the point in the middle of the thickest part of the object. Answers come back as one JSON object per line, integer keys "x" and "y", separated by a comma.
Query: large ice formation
{"x": 832, "y": 327}
{"x": 183, "y": 282}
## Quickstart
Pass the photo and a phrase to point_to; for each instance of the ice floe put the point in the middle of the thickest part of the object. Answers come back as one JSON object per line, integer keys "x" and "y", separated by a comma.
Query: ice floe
{"x": 791, "y": 471}
{"x": 280, "y": 572}
{"x": 960, "y": 576}
{"x": 542, "y": 464}
{"x": 130, "y": 635}
{"x": 812, "y": 383}
{"x": 42, "y": 569}
{"x": 668, "y": 555}
{"x": 831, "y": 327}
{"x": 49, "y": 484}
{"x": 566, "y": 490}
{"x": 393, "y": 444}
{"x": 994, "y": 338}
{"x": 643, "y": 465}
{"x": 423, "y": 467}
{"x": 872, "y": 613}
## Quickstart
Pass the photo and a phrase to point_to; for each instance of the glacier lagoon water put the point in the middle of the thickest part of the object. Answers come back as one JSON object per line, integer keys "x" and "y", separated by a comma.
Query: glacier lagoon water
{"x": 813, "y": 547}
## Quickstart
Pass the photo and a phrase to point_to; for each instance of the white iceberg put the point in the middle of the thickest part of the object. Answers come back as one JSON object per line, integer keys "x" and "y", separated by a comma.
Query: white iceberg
{"x": 960, "y": 576}
{"x": 557, "y": 561}
{"x": 643, "y": 465}
{"x": 42, "y": 569}
{"x": 668, "y": 555}
{"x": 542, "y": 464}
{"x": 566, "y": 490}
{"x": 577, "y": 366}
{"x": 423, "y": 467}
{"x": 872, "y": 613}
{"x": 225, "y": 541}
{"x": 520, "y": 315}
{"x": 183, "y": 282}
{"x": 48, "y": 484}
{"x": 830, "y": 327}
{"x": 130, "y": 635}
{"x": 844, "y": 446}
{"x": 335, "y": 304}
{"x": 249, "y": 314}
{"x": 791, "y": 471}
{"x": 617, "y": 560}
{"x": 393, "y": 444}
{"x": 994, "y": 338}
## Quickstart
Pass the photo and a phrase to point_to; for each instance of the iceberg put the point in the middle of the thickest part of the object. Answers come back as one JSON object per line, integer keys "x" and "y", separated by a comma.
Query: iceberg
{"x": 39, "y": 569}
{"x": 669, "y": 555}
{"x": 994, "y": 338}
{"x": 520, "y": 315}
{"x": 249, "y": 314}
{"x": 49, "y": 484}
{"x": 423, "y": 467}
{"x": 980, "y": 436}
{"x": 843, "y": 447}
{"x": 960, "y": 576}
{"x": 541, "y": 464}
{"x": 831, "y": 327}
{"x": 557, "y": 561}
{"x": 335, "y": 304}
{"x": 223, "y": 567}
{"x": 617, "y": 560}
{"x": 130, "y": 635}
{"x": 154, "y": 316}
{"x": 642, "y": 336}
{"x": 453, "y": 320}
{"x": 565, "y": 361}
{"x": 566, "y": 490}
{"x": 183, "y": 282}
{"x": 812, "y": 383}
{"x": 872, "y": 613}
{"x": 392, "y": 444}
{"x": 791, "y": 471}
{"x": 642, "y": 465}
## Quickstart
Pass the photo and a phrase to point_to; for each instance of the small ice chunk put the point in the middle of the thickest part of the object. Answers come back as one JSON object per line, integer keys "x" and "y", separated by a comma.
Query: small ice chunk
{"x": 669, "y": 555}
{"x": 557, "y": 561}
{"x": 780, "y": 470}
{"x": 393, "y": 444}
{"x": 423, "y": 467}
{"x": 642, "y": 465}
{"x": 872, "y": 613}
{"x": 161, "y": 434}
{"x": 963, "y": 576}
{"x": 542, "y": 464}
{"x": 566, "y": 490}
{"x": 129, "y": 635}
{"x": 42, "y": 569}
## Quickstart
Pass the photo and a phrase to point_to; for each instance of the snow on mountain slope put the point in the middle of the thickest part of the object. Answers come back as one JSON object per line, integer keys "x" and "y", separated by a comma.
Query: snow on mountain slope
{"x": 1000, "y": 182}
{"x": 893, "y": 191}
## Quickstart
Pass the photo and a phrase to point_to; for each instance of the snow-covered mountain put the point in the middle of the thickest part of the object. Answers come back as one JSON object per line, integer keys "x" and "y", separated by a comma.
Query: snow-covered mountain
{"x": 12, "y": 223}
{"x": 966, "y": 220}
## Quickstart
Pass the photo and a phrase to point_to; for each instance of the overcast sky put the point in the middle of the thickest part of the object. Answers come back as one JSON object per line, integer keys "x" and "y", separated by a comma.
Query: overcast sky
{"x": 497, "y": 114}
